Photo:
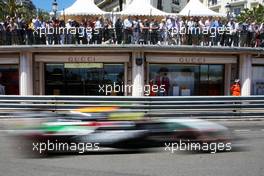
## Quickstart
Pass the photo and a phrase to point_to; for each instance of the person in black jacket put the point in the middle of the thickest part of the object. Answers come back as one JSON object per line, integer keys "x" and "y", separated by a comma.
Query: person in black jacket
{"x": 119, "y": 31}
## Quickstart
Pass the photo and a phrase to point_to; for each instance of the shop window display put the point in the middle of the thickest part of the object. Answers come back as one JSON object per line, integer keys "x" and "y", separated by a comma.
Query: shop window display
{"x": 81, "y": 78}
{"x": 211, "y": 80}
{"x": 178, "y": 80}
{"x": 258, "y": 80}
{"x": 9, "y": 80}
{"x": 187, "y": 80}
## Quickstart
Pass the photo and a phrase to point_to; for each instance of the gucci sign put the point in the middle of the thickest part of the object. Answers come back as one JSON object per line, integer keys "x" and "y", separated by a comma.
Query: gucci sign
{"x": 190, "y": 60}
{"x": 80, "y": 59}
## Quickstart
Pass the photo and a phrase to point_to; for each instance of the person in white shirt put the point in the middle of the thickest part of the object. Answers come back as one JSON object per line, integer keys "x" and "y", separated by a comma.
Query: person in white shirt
{"x": 190, "y": 30}
{"x": 136, "y": 30}
{"x": 98, "y": 28}
{"x": 98, "y": 24}
{"x": 176, "y": 31}
{"x": 68, "y": 33}
{"x": 207, "y": 25}
{"x": 50, "y": 33}
{"x": 162, "y": 32}
{"x": 169, "y": 23}
{"x": 236, "y": 33}
{"x": 183, "y": 31}
{"x": 232, "y": 32}
{"x": 201, "y": 24}
{"x": 169, "y": 26}
{"x": 128, "y": 30}
{"x": 250, "y": 40}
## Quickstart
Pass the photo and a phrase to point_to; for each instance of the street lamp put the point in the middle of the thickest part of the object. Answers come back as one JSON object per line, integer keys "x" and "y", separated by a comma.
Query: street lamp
{"x": 55, "y": 7}
{"x": 228, "y": 7}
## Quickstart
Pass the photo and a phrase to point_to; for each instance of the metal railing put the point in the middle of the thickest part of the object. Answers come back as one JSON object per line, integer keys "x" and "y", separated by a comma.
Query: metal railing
{"x": 184, "y": 36}
{"x": 153, "y": 107}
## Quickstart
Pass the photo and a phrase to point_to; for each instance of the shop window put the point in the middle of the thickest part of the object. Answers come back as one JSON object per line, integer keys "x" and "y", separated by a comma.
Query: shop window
{"x": 177, "y": 79}
{"x": 83, "y": 78}
{"x": 187, "y": 80}
{"x": 55, "y": 79}
{"x": 211, "y": 80}
{"x": 213, "y": 2}
{"x": 9, "y": 80}
{"x": 176, "y": 2}
{"x": 160, "y": 6}
{"x": 258, "y": 80}
{"x": 237, "y": 11}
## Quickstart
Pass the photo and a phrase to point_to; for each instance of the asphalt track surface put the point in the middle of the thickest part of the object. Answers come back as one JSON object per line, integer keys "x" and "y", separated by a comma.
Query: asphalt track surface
{"x": 248, "y": 161}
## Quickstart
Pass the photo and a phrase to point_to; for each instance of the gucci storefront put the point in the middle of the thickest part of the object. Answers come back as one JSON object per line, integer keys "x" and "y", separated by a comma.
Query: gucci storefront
{"x": 9, "y": 74}
{"x": 80, "y": 74}
{"x": 187, "y": 75}
{"x": 98, "y": 71}
{"x": 181, "y": 75}
{"x": 258, "y": 77}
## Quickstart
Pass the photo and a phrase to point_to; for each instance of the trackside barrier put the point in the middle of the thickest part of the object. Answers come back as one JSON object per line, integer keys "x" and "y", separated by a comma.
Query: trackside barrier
{"x": 153, "y": 107}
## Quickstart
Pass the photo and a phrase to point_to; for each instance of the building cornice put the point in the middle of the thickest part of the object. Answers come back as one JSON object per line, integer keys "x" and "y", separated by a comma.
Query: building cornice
{"x": 131, "y": 48}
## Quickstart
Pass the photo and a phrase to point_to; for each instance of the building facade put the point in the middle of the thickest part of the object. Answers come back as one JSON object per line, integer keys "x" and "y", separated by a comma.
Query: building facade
{"x": 130, "y": 70}
{"x": 232, "y": 6}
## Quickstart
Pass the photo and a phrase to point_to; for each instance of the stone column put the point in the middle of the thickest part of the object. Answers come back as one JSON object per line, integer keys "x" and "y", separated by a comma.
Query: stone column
{"x": 227, "y": 78}
{"x": 26, "y": 74}
{"x": 138, "y": 74}
{"x": 245, "y": 74}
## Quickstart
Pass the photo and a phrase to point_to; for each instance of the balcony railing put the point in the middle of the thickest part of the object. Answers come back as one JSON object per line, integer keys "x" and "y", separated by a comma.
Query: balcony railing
{"x": 153, "y": 34}
{"x": 237, "y": 1}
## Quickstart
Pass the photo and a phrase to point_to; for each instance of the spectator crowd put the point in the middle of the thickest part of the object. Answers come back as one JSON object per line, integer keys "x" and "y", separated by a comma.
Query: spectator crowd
{"x": 133, "y": 30}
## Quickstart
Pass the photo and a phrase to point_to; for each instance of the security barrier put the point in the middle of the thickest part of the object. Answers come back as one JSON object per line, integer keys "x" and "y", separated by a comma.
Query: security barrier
{"x": 153, "y": 107}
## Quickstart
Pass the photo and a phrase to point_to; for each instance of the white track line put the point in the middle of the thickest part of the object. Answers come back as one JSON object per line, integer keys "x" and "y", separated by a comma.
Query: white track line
{"x": 246, "y": 130}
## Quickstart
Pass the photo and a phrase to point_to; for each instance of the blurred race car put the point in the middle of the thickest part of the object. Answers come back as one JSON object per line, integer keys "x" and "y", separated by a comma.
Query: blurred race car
{"x": 111, "y": 128}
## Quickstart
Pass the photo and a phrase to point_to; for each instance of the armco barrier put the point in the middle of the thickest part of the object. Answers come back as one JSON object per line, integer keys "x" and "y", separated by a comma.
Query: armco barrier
{"x": 197, "y": 107}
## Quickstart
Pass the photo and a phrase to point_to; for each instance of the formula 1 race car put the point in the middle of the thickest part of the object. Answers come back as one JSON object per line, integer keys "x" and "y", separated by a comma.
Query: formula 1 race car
{"x": 110, "y": 128}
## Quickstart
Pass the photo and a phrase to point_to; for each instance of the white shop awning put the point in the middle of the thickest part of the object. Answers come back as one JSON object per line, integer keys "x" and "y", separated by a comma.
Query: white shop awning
{"x": 142, "y": 8}
{"x": 196, "y": 8}
{"x": 83, "y": 7}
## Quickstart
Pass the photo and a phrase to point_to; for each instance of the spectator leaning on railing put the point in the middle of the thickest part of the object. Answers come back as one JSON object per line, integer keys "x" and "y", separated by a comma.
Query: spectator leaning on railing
{"x": 2, "y": 31}
{"x": 133, "y": 30}
{"x": 128, "y": 30}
